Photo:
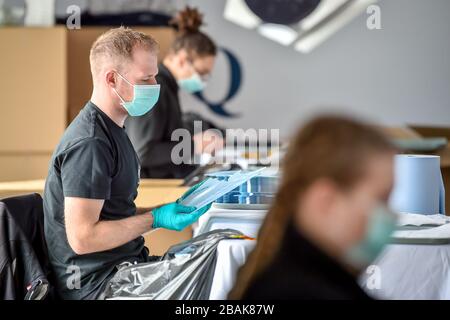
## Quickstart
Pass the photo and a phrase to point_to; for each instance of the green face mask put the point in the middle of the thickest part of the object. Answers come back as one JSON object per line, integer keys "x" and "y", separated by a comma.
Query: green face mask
{"x": 381, "y": 225}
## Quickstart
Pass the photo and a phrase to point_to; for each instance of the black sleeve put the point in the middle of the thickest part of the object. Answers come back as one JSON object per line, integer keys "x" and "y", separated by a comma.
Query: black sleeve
{"x": 150, "y": 133}
{"x": 86, "y": 170}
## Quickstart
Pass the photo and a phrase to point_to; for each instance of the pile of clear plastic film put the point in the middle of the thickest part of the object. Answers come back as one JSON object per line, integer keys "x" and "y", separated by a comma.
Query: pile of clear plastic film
{"x": 217, "y": 186}
{"x": 259, "y": 190}
{"x": 236, "y": 187}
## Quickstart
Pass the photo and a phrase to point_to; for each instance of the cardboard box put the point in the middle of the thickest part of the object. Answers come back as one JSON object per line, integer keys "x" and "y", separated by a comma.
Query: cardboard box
{"x": 46, "y": 82}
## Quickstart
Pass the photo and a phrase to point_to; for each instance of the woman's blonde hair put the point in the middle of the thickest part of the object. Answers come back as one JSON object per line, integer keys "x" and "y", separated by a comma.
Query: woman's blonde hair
{"x": 333, "y": 147}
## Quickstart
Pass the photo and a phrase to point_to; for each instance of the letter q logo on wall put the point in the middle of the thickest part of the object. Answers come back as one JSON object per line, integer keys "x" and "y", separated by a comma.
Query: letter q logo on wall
{"x": 234, "y": 67}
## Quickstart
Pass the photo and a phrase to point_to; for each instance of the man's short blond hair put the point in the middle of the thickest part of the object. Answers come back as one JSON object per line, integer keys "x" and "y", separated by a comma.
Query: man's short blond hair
{"x": 116, "y": 46}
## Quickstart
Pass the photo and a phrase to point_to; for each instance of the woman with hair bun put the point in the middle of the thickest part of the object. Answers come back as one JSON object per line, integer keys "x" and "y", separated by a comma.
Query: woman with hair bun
{"x": 187, "y": 65}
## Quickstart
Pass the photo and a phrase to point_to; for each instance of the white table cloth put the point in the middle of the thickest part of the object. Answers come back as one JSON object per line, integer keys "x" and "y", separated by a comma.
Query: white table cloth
{"x": 402, "y": 271}
{"x": 231, "y": 254}
{"x": 408, "y": 271}
{"x": 246, "y": 221}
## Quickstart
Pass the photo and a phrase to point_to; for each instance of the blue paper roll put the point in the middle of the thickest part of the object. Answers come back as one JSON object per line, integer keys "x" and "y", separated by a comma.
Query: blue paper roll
{"x": 418, "y": 185}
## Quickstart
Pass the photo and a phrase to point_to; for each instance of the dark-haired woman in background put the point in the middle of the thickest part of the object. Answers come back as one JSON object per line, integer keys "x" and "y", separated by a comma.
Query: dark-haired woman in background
{"x": 189, "y": 61}
{"x": 329, "y": 219}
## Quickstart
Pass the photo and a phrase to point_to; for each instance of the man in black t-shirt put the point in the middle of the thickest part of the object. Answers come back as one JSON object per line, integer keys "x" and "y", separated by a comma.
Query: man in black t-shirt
{"x": 91, "y": 222}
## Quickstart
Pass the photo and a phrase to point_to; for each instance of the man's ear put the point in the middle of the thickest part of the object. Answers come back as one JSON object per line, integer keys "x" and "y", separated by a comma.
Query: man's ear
{"x": 111, "y": 79}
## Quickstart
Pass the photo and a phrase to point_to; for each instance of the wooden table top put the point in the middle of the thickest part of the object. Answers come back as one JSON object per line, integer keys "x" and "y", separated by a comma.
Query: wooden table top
{"x": 39, "y": 184}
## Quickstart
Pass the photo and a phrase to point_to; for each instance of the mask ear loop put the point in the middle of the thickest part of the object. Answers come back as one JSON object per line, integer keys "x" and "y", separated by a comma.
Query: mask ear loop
{"x": 191, "y": 65}
{"x": 203, "y": 78}
{"x": 125, "y": 79}
{"x": 121, "y": 99}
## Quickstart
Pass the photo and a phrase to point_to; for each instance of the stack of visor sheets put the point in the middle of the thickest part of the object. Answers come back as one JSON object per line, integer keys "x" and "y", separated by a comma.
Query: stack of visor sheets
{"x": 260, "y": 189}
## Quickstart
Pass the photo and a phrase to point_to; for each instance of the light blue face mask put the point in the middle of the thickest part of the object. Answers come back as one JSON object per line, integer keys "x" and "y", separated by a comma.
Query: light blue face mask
{"x": 379, "y": 230}
{"x": 144, "y": 98}
{"x": 192, "y": 84}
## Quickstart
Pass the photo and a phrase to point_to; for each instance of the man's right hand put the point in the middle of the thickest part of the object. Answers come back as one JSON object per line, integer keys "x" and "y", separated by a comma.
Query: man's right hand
{"x": 175, "y": 216}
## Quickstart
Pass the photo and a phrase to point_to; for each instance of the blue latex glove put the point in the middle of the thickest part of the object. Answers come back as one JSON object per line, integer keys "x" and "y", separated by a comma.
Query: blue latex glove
{"x": 174, "y": 216}
{"x": 191, "y": 189}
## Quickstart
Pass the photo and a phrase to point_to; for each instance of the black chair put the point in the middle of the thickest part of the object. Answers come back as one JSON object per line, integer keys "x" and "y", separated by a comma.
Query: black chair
{"x": 24, "y": 263}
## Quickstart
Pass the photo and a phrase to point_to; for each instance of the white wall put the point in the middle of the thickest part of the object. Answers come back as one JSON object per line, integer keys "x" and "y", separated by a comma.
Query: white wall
{"x": 397, "y": 75}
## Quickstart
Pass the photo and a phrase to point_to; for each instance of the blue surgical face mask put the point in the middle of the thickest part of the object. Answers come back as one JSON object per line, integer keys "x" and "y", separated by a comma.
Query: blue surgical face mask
{"x": 379, "y": 229}
{"x": 144, "y": 98}
{"x": 192, "y": 84}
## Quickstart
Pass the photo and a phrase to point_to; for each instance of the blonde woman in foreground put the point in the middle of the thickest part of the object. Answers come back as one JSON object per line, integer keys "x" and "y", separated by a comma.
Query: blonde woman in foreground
{"x": 329, "y": 219}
